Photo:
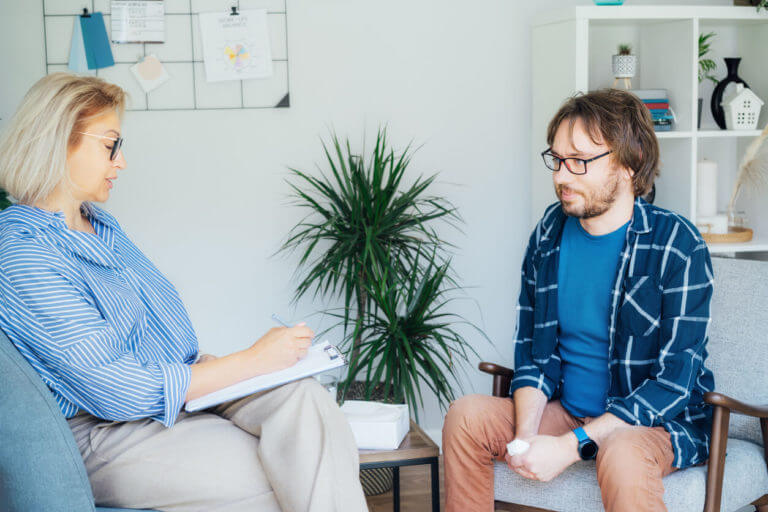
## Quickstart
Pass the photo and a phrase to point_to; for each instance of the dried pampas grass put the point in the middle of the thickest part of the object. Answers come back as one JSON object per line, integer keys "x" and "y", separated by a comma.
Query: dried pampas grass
{"x": 753, "y": 171}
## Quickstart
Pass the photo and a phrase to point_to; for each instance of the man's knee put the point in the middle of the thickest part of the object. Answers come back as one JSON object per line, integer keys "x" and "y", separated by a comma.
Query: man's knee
{"x": 462, "y": 413}
{"x": 624, "y": 454}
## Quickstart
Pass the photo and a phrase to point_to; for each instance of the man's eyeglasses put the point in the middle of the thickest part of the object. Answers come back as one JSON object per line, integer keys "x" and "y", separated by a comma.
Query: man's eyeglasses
{"x": 574, "y": 165}
{"x": 118, "y": 143}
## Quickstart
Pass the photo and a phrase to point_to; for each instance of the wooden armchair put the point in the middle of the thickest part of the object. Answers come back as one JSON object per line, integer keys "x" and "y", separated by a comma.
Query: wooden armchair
{"x": 723, "y": 407}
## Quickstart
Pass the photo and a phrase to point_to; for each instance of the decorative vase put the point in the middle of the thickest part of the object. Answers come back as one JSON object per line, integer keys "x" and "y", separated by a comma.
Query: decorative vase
{"x": 732, "y": 65}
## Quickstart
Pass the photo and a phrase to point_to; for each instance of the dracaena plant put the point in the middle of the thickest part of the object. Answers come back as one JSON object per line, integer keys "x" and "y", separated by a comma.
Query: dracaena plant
{"x": 4, "y": 201}
{"x": 370, "y": 237}
{"x": 706, "y": 65}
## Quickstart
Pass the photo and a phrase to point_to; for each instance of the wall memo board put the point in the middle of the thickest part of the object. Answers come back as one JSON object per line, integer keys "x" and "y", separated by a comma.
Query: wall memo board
{"x": 181, "y": 54}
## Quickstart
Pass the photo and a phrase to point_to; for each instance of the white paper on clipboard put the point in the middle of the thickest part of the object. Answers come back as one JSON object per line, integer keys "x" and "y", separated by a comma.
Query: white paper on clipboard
{"x": 320, "y": 358}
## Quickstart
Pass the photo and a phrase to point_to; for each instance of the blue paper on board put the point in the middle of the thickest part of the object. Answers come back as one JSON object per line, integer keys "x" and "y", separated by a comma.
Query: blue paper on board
{"x": 96, "y": 42}
{"x": 77, "y": 59}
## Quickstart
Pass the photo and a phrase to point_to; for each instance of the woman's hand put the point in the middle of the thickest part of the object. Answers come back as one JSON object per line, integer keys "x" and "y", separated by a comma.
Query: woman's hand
{"x": 282, "y": 347}
{"x": 278, "y": 349}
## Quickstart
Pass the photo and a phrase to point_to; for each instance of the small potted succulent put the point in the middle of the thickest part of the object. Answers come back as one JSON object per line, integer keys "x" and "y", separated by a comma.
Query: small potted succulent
{"x": 624, "y": 64}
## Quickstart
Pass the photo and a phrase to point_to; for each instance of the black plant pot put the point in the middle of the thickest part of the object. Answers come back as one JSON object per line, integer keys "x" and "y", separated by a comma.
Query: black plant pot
{"x": 732, "y": 64}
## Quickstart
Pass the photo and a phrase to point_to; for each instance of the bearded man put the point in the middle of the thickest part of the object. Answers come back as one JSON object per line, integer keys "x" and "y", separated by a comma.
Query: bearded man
{"x": 612, "y": 325}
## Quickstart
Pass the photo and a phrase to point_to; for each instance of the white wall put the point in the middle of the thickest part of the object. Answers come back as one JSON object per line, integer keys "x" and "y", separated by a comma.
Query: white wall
{"x": 204, "y": 195}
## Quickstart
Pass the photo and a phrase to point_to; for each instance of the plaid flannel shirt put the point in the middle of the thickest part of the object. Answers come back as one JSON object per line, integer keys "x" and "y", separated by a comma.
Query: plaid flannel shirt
{"x": 658, "y": 326}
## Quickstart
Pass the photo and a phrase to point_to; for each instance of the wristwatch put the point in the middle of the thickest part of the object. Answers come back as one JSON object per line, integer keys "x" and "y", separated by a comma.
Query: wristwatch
{"x": 587, "y": 447}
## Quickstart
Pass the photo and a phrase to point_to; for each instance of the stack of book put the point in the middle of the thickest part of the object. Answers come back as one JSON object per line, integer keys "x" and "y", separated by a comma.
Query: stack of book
{"x": 657, "y": 102}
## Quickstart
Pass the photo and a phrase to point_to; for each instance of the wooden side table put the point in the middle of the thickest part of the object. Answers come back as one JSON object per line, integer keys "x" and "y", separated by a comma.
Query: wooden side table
{"x": 416, "y": 449}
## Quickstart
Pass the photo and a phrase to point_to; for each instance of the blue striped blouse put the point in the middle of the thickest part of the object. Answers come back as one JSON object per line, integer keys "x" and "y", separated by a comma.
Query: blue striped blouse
{"x": 106, "y": 331}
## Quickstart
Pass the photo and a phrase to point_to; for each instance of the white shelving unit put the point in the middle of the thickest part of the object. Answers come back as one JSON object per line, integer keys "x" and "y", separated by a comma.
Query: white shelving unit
{"x": 572, "y": 51}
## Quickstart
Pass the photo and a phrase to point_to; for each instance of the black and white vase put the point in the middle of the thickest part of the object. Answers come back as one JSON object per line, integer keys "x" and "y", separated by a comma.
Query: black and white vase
{"x": 732, "y": 65}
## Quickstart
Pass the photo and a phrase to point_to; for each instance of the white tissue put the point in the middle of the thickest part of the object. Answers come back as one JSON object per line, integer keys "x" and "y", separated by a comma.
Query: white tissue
{"x": 517, "y": 447}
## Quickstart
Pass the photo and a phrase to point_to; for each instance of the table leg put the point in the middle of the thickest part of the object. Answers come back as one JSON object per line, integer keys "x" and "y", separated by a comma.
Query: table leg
{"x": 435, "y": 486}
{"x": 396, "y": 488}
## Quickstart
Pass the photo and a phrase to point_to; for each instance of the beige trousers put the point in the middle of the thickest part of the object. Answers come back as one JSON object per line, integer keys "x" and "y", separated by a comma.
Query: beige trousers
{"x": 289, "y": 449}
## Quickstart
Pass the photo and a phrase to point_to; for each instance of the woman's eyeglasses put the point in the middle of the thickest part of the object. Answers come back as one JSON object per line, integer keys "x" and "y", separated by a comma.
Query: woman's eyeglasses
{"x": 574, "y": 165}
{"x": 118, "y": 143}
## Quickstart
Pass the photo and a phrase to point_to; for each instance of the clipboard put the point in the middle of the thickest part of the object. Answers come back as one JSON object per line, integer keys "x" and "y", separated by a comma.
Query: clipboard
{"x": 320, "y": 358}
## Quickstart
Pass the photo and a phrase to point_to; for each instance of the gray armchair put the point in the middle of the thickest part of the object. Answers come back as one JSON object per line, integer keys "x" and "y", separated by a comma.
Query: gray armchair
{"x": 738, "y": 356}
{"x": 40, "y": 466}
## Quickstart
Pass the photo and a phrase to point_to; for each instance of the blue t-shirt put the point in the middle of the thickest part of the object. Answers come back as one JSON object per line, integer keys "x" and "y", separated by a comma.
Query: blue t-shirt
{"x": 586, "y": 276}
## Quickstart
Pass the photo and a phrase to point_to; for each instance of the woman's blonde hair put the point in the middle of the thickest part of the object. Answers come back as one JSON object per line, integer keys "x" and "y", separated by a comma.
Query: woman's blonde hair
{"x": 33, "y": 148}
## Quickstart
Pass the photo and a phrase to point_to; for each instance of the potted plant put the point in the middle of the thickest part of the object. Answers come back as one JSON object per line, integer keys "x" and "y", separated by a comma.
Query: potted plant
{"x": 370, "y": 238}
{"x": 4, "y": 201}
{"x": 759, "y": 4}
{"x": 706, "y": 66}
{"x": 624, "y": 65}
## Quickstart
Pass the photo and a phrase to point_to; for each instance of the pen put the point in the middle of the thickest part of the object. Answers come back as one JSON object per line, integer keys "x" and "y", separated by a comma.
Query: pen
{"x": 279, "y": 320}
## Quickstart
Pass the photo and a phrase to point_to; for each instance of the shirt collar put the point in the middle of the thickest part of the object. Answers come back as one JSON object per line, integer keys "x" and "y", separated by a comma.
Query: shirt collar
{"x": 94, "y": 212}
{"x": 80, "y": 243}
{"x": 41, "y": 218}
{"x": 640, "y": 222}
{"x": 37, "y": 217}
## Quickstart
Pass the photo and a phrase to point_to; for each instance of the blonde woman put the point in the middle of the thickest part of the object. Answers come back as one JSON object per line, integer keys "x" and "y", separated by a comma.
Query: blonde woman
{"x": 110, "y": 336}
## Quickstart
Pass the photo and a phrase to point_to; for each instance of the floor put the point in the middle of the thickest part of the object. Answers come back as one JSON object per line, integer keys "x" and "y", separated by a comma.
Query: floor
{"x": 415, "y": 495}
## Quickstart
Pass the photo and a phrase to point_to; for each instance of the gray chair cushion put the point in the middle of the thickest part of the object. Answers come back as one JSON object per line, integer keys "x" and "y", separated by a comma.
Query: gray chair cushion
{"x": 738, "y": 338}
{"x": 103, "y": 509}
{"x": 746, "y": 479}
{"x": 40, "y": 465}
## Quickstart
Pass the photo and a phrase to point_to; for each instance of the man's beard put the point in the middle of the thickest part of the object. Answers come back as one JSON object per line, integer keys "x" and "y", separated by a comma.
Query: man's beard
{"x": 596, "y": 202}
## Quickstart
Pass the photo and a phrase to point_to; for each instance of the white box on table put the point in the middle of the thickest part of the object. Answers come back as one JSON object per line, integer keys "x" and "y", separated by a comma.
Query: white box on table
{"x": 377, "y": 426}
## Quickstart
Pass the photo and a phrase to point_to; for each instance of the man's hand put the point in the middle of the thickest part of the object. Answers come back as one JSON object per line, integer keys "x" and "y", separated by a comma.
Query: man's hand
{"x": 547, "y": 457}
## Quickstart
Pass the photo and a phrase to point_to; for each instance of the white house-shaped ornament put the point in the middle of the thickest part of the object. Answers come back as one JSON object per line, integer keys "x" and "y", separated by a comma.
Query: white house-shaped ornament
{"x": 742, "y": 109}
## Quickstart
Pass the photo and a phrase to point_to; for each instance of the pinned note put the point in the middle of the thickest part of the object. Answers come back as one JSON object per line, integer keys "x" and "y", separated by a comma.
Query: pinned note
{"x": 150, "y": 73}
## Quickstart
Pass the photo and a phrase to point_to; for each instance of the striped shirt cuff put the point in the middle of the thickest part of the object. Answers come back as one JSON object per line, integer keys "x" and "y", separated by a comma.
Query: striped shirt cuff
{"x": 533, "y": 378}
{"x": 176, "y": 379}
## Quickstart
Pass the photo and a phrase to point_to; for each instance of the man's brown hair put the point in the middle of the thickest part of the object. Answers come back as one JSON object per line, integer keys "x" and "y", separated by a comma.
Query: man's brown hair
{"x": 619, "y": 120}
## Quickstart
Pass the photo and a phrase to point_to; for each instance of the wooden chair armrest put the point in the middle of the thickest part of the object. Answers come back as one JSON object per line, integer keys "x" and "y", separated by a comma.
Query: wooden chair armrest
{"x": 495, "y": 369}
{"x": 502, "y": 377}
{"x": 723, "y": 406}
{"x": 733, "y": 405}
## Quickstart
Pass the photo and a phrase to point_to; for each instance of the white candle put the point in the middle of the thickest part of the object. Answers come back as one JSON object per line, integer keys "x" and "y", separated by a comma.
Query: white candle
{"x": 716, "y": 224}
{"x": 707, "y": 188}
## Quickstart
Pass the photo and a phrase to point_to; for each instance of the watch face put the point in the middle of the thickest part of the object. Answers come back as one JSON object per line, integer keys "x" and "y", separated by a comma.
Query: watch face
{"x": 588, "y": 450}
